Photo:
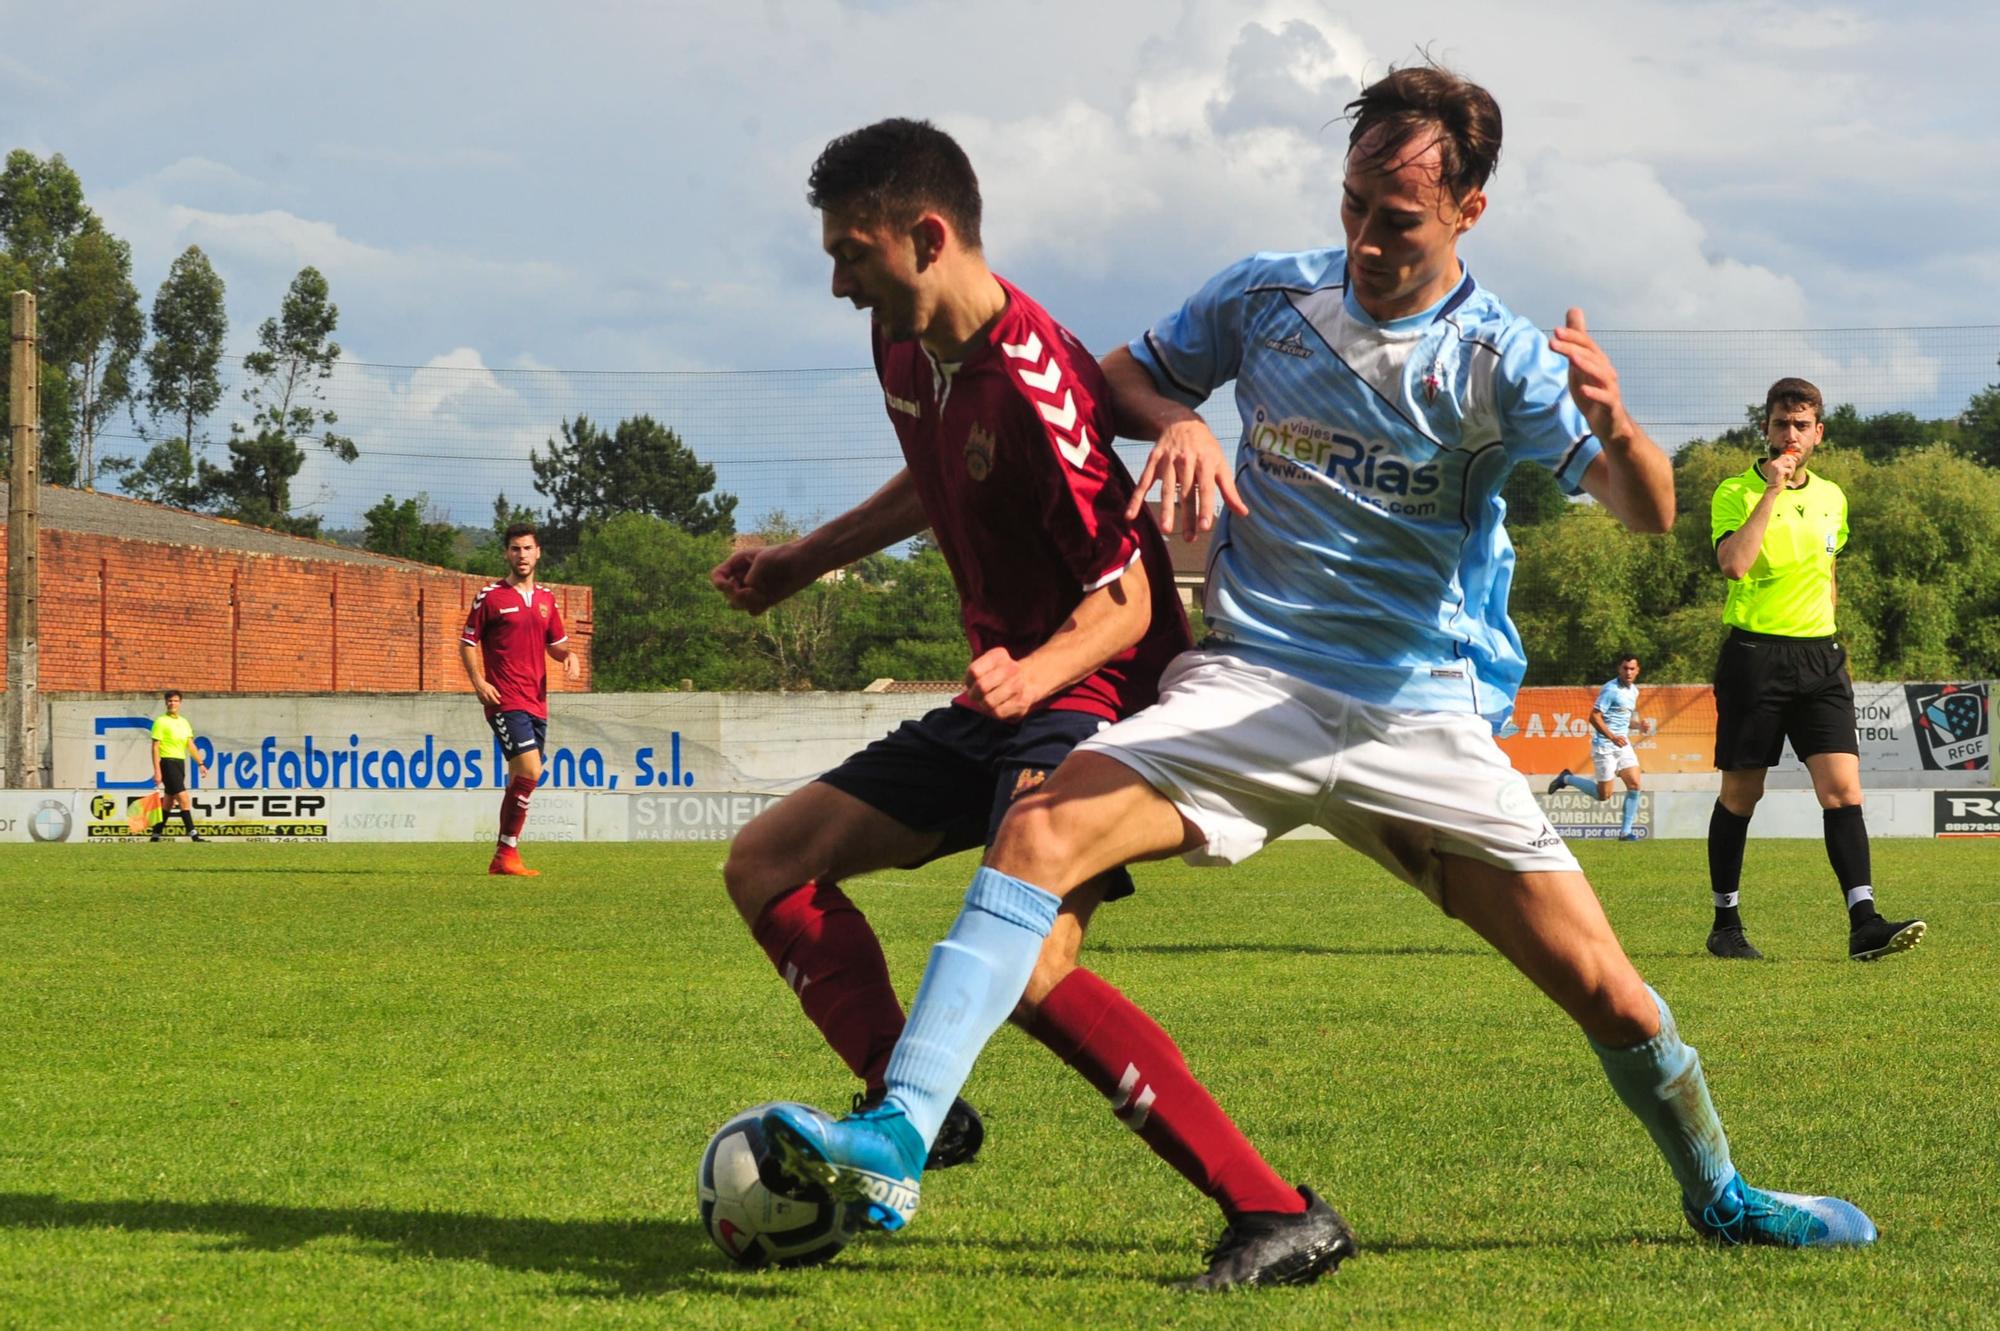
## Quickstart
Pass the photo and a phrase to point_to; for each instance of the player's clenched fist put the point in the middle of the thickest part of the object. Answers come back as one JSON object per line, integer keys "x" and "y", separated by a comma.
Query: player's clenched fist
{"x": 997, "y": 685}
{"x": 756, "y": 580}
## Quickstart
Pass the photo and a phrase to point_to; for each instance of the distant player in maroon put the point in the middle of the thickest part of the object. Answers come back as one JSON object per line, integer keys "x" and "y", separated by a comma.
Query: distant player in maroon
{"x": 1070, "y": 613}
{"x": 511, "y": 631}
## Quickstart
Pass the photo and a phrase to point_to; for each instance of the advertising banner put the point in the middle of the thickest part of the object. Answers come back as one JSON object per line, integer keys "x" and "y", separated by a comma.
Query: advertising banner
{"x": 688, "y": 743}
{"x": 1903, "y": 730}
{"x": 1578, "y": 817}
{"x": 1958, "y": 813}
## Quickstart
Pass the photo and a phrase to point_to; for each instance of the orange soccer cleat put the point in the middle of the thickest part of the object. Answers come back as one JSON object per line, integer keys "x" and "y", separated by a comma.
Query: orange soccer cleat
{"x": 507, "y": 860}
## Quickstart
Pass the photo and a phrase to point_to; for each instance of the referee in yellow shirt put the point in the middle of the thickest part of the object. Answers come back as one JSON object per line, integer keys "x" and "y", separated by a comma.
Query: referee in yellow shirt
{"x": 173, "y": 741}
{"x": 1783, "y": 673}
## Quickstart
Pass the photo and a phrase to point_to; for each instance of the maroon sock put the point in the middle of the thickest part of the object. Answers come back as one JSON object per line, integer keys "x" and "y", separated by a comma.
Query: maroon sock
{"x": 514, "y": 808}
{"x": 826, "y": 950}
{"x": 1123, "y": 1052}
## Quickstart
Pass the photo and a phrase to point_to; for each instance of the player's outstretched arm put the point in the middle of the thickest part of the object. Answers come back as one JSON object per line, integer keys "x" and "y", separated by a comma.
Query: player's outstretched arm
{"x": 756, "y": 580}
{"x": 1632, "y": 477}
{"x": 1104, "y": 623}
{"x": 1187, "y": 459}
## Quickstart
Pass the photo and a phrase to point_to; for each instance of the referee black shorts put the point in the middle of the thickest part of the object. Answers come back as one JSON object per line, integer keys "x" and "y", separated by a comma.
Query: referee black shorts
{"x": 173, "y": 776}
{"x": 1770, "y": 689}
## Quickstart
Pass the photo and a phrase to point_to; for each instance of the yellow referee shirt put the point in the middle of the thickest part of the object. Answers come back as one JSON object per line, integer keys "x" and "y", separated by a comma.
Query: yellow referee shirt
{"x": 1789, "y": 589}
{"x": 173, "y": 734}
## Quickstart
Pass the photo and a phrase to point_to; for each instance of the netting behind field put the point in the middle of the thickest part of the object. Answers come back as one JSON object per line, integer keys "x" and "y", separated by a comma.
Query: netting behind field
{"x": 803, "y": 445}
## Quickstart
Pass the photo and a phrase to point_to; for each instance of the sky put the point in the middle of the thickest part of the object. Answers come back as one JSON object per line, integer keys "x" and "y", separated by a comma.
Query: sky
{"x": 502, "y": 191}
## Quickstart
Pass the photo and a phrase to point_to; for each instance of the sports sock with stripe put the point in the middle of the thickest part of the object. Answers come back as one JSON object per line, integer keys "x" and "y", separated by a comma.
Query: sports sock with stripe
{"x": 1846, "y": 832}
{"x": 828, "y": 953}
{"x": 1121, "y": 1051}
{"x": 1726, "y": 834}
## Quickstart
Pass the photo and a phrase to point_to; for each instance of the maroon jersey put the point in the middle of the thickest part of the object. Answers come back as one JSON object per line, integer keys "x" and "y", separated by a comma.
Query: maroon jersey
{"x": 1010, "y": 449}
{"x": 513, "y": 633}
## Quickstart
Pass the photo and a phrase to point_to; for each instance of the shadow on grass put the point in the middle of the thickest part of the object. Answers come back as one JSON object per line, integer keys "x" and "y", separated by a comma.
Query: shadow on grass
{"x": 615, "y": 1258}
{"x": 1472, "y": 949}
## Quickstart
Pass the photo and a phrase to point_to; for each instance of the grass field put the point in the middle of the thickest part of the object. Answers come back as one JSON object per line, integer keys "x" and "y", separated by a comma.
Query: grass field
{"x": 259, "y": 1085}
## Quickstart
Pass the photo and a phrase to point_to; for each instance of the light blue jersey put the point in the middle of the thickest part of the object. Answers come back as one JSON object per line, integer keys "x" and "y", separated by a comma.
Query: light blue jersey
{"x": 1618, "y": 702}
{"x": 1374, "y": 561}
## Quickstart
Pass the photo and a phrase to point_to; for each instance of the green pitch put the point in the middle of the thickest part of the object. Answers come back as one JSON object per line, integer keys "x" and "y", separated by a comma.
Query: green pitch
{"x": 282, "y": 1085}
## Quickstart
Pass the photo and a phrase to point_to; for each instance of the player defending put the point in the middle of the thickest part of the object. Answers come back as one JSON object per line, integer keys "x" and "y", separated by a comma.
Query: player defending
{"x": 1612, "y": 757}
{"x": 1358, "y": 593}
{"x": 173, "y": 743}
{"x": 512, "y": 630}
{"x": 1069, "y": 609}
{"x": 1782, "y": 674}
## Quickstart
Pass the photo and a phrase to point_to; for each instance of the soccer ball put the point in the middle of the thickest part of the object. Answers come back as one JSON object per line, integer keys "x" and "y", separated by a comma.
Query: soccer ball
{"x": 754, "y": 1224}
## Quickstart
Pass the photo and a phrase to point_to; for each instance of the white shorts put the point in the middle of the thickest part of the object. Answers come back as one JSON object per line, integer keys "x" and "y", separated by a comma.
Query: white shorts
{"x": 1247, "y": 753}
{"x": 1607, "y": 762}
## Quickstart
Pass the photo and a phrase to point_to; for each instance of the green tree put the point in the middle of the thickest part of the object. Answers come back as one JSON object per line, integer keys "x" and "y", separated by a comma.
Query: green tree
{"x": 295, "y": 356}
{"x": 1980, "y": 426}
{"x": 657, "y": 618}
{"x": 916, "y": 630}
{"x": 183, "y": 383}
{"x": 1533, "y": 495}
{"x": 95, "y": 329}
{"x": 410, "y": 529}
{"x": 639, "y": 467}
{"x": 42, "y": 215}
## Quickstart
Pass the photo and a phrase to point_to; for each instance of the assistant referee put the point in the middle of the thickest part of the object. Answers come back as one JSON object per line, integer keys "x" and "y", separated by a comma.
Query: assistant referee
{"x": 173, "y": 745}
{"x": 1782, "y": 673}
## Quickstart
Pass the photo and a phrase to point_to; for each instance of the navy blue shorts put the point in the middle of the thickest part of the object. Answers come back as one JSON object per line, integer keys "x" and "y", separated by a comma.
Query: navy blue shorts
{"x": 519, "y": 731}
{"x": 955, "y": 771}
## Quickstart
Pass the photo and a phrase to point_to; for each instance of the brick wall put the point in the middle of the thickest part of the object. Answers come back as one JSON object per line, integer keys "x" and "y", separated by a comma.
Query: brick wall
{"x": 121, "y": 614}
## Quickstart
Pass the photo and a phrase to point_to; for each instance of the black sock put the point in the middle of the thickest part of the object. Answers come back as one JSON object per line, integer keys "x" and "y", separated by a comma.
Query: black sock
{"x": 1726, "y": 835}
{"x": 187, "y": 820}
{"x": 1847, "y": 850}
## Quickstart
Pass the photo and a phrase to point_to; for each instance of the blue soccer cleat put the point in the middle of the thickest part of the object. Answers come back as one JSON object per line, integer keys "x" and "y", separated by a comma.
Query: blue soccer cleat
{"x": 874, "y": 1158}
{"x": 1744, "y": 1214}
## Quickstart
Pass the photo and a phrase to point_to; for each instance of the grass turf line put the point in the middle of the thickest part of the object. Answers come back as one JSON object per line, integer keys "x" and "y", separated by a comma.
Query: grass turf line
{"x": 345, "y": 1085}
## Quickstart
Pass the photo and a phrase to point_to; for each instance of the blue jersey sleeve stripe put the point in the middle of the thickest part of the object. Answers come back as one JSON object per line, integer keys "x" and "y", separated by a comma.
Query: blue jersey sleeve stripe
{"x": 1570, "y": 457}
{"x": 1159, "y": 360}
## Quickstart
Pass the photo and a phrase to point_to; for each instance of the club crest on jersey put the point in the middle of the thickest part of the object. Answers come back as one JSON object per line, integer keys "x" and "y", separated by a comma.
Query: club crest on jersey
{"x": 1029, "y": 778}
{"x": 542, "y": 609}
{"x": 1294, "y": 346}
{"x": 979, "y": 446}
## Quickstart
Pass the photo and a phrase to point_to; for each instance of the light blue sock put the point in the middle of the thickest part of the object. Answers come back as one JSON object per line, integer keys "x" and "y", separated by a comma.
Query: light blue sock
{"x": 975, "y": 977}
{"x": 1631, "y": 812}
{"x": 1575, "y": 782}
{"x": 1660, "y": 1081}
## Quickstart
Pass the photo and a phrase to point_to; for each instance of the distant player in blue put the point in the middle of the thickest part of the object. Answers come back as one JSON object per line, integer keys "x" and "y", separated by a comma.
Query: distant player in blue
{"x": 1612, "y": 757}
{"x": 1361, "y": 655}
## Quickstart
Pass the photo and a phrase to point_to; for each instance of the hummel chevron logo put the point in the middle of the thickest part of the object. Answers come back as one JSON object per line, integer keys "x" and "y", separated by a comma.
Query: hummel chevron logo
{"x": 1044, "y": 380}
{"x": 1063, "y": 417}
{"x": 1078, "y": 452}
{"x": 1029, "y": 350}
{"x": 1141, "y": 1107}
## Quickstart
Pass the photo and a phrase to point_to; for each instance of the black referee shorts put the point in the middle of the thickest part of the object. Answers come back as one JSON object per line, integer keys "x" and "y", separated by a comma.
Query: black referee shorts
{"x": 173, "y": 776}
{"x": 1770, "y": 689}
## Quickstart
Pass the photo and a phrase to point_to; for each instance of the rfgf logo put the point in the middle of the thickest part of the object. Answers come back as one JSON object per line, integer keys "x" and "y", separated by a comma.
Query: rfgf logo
{"x": 1953, "y": 723}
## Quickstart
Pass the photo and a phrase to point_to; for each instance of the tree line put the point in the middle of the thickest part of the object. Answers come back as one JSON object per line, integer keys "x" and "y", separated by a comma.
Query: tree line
{"x": 101, "y": 354}
{"x": 1918, "y": 583}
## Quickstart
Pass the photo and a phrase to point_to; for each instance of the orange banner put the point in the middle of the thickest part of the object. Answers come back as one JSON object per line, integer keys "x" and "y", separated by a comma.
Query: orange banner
{"x": 1674, "y": 730}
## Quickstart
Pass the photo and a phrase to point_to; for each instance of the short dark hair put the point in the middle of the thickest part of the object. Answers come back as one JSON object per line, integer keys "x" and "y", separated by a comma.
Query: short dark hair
{"x": 170, "y": 693}
{"x": 1791, "y": 394}
{"x": 892, "y": 171}
{"x": 515, "y": 529}
{"x": 1430, "y": 99}
{"x": 1623, "y": 657}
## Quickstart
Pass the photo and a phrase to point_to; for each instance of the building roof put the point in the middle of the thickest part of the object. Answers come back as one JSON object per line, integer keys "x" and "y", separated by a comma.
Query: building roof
{"x": 98, "y": 514}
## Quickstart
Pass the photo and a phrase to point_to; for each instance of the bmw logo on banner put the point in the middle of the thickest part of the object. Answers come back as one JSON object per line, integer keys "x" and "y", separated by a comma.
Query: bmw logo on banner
{"x": 50, "y": 822}
{"x": 1953, "y": 723}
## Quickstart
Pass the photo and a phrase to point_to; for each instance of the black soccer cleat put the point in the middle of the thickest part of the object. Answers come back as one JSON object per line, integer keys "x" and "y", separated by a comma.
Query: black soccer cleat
{"x": 1875, "y": 938}
{"x": 959, "y": 1137}
{"x": 1555, "y": 786}
{"x": 1274, "y": 1248}
{"x": 1731, "y": 945}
